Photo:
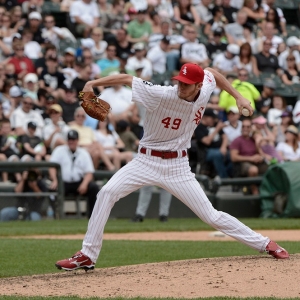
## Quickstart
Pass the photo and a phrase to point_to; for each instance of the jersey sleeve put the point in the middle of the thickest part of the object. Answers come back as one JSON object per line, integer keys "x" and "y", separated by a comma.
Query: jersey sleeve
{"x": 209, "y": 84}
{"x": 146, "y": 93}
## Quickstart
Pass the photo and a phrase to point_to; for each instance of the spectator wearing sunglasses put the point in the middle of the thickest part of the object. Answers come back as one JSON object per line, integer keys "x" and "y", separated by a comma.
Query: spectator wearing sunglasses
{"x": 23, "y": 65}
{"x": 56, "y": 130}
{"x": 265, "y": 62}
{"x": 247, "y": 89}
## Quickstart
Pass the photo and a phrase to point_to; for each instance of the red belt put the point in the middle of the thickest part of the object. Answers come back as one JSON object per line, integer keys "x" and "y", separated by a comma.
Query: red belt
{"x": 163, "y": 154}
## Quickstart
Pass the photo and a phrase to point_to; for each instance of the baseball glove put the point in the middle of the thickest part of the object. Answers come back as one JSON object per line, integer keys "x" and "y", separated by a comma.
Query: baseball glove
{"x": 94, "y": 106}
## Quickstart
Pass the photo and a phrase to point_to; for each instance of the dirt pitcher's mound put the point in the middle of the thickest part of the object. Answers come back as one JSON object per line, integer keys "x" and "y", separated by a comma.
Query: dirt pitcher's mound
{"x": 260, "y": 276}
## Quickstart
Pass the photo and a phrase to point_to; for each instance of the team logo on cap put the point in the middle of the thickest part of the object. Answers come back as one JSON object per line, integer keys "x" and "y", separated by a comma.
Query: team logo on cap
{"x": 184, "y": 70}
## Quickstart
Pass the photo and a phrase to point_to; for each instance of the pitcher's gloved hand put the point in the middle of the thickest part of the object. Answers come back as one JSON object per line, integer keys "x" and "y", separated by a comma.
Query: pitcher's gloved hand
{"x": 94, "y": 106}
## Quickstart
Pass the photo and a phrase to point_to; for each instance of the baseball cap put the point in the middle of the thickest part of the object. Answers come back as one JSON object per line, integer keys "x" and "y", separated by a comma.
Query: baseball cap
{"x": 15, "y": 91}
{"x": 190, "y": 74}
{"x": 233, "y": 109}
{"x": 259, "y": 120}
{"x": 70, "y": 50}
{"x": 286, "y": 114}
{"x": 132, "y": 10}
{"x": 210, "y": 113}
{"x": 122, "y": 124}
{"x": 218, "y": 31}
{"x": 292, "y": 41}
{"x": 124, "y": 56}
{"x": 165, "y": 40}
{"x": 32, "y": 125}
{"x": 248, "y": 26}
{"x": 50, "y": 99}
{"x": 31, "y": 77}
{"x": 69, "y": 89}
{"x": 87, "y": 43}
{"x": 292, "y": 129}
{"x": 73, "y": 135}
{"x": 56, "y": 107}
{"x": 139, "y": 46}
{"x": 270, "y": 84}
{"x": 233, "y": 49}
{"x": 35, "y": 15}
{"x": 16, "y": 35}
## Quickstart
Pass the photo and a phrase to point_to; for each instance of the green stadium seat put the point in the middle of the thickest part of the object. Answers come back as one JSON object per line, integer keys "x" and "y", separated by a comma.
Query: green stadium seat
{"x": 255, "y": 80}
{"x": 49, "y": 7}
{"x": 286, "y": 4}
{"x": 64, "y": 44}
{"x": 288, "y": 93}
{"x": 293, "y": 30}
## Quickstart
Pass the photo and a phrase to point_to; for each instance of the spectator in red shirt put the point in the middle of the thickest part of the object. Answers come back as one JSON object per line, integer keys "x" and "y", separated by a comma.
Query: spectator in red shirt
{"x": 23, "y": 65}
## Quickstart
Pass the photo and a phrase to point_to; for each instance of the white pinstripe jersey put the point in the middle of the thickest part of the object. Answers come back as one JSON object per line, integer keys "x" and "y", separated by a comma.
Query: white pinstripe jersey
{"x": 170, "y": 121}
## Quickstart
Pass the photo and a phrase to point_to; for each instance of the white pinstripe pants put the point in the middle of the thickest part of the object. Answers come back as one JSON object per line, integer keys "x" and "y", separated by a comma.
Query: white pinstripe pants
{"x": 173, "y": 175}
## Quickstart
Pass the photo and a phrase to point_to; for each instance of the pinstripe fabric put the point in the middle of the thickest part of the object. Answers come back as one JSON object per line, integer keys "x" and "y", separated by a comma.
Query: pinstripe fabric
{"x": 173, "y": 175}
{"x": 162, "y": 102}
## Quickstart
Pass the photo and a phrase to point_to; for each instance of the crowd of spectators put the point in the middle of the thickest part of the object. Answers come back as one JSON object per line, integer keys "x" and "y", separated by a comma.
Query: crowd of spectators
{"x": 43, "y": 67}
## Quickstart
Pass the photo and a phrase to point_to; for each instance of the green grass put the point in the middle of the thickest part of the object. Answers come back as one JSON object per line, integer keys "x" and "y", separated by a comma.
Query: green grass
{"x": 139, "y": 298}
{"x": 124, "y": 225}
{"x": 30, "y": 256}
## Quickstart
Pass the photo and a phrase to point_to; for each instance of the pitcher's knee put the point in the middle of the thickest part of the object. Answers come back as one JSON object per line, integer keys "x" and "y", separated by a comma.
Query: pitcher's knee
{"x": 107, "y": 193}
{"x": 212, "y": 220}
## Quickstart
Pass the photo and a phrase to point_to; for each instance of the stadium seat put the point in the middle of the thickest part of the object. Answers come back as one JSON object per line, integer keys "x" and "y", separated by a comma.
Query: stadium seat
{"x": 292, "y": 30}
{"x": 255, "y": 80}
{"x": 288, "y": 93}
{"x": 64, "y": 44}
{"x": 285, "y": 4}
{"x": 49, "y": 7}
{"x": 61, "y": 18}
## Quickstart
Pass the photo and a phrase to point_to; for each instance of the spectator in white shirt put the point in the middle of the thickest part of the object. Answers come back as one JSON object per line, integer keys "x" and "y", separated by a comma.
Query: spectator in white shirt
{"x": 56, "y": 130}
{"x": 269, "y": 34}
{"x": 233, "y": 126}
{"x": 52, "y": 32}
{"x": 12, "y": 100}
{"x": 227, "y": 62}
{"x": 290, "y": 149}
{"x": 119, "y": 98}
{"x": 25, "y": 114}
{"x": 235, "y": 31}
{"x": 138, "y": 61}
{"x": 293, "y": 44}
{"x": 192, "y": 50}
{"x": 77, "y": 170}
{"x": 203, "y": 10}
{"x": 85, "y": 14}
{"x": 32, "y": 49}
{"x": 158, "y": 56}
{"x": 274, "y": 113}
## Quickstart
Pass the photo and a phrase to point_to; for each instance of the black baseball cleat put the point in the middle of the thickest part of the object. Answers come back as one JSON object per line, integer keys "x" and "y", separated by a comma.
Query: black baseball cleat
{"x": 137, "y": 218}
{"x": 163, "y": 218}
